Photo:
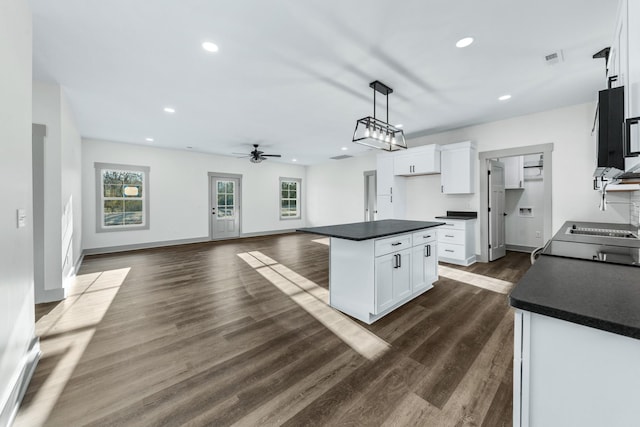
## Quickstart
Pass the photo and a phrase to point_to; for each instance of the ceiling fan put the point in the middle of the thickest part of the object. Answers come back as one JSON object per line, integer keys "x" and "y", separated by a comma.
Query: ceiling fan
{"x": 256, "y": 156}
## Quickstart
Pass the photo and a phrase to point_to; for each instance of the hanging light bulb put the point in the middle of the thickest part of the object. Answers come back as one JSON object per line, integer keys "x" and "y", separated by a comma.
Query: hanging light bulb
{"x": 375, "y": 133}
{"x": 393, "y": 139}
{"x": 367, "y": 132}
{"x": 387, "y": 138}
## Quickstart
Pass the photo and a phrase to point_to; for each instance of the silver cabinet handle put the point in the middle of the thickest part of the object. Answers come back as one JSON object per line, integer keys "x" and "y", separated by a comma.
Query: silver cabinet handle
{"x": 399, "y": 261}
{"x": 442, "y": 188}
{"x": 396, "y": 243}
{"x": 427, "y": 251}
{"x": 396, "y": 263}
{"x": 449, "y": 235}
{"x": 428, "y": 236}
{"x": 448, "y": 250}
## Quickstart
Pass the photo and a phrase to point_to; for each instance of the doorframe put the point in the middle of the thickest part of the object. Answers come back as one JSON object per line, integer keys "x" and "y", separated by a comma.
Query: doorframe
{"x": 546, "y": 150}
{"x": 366, "y": 175}
{"x": 211, "y": 176}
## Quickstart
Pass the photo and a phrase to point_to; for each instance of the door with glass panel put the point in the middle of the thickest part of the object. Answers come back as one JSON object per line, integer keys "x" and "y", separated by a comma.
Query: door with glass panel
{"x": 225, "y": 207}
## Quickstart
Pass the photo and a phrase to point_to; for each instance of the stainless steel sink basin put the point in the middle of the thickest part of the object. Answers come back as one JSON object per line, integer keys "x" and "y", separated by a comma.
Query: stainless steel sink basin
{"x": 601, "y": 232}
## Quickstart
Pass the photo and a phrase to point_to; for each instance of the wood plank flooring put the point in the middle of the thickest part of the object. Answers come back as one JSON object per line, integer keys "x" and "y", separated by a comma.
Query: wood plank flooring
{"x": 196, "y": 335}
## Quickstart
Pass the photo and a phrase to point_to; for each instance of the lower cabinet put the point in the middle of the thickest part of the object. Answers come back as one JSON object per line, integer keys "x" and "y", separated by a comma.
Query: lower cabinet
{"x": 370, "y": 278}
{"x": 392, "y": 279}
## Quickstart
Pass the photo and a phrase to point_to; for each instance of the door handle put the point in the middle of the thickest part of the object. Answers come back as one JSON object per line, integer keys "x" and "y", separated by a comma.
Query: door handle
{"x": 427, "y": 251}
{"x": 213, "y": 211}
{"x": 504, "y": 214}
{"x": 395, "y": 261}
{"x": 399, "y": 261}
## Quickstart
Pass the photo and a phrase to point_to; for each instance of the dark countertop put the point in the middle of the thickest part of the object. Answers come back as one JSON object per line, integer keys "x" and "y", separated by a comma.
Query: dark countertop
{"x": 595, "y": 294}
{"x": 465, "y": 215}
{"x": 370, "y": 230}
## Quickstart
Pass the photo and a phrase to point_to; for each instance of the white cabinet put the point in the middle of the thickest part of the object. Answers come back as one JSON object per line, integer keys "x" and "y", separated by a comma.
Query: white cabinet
{"x": 566, "y": 374}
{"x": 369, "y": 279}
{"x": 424, "y": 264}
{"x": 458, "y": 168}
{"x": 393, "y": 281}
{"x": 456, "y": 241}
{"x": 513, "y": 172}
{"x": 390, "y": 189}
{"x": 422, "y": 160}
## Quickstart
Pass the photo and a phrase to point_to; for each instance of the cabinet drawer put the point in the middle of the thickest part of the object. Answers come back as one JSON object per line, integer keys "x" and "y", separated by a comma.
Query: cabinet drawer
{"x": 447, "y": 250}
{"x": 392, "y": 244}
{"x": 424, "y": 236}
{"x": 456, "y": 237}
{"x": 452, "y": 224}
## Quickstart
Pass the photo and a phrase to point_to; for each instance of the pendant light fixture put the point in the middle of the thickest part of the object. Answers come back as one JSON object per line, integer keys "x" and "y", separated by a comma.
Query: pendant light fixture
{"x": 373, "y": 132}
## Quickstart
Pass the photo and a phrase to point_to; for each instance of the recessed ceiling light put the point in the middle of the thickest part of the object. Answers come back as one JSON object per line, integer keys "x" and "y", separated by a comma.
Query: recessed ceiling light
{"x": 344, "y": 148}
{"x": 210, "y": 46}
{"x": 399, "y": 125}
{"x": 504, "y": 97}
{"x": 464, "y": 42}
{"x": 169, "y": 110}
{"x": 294, "y": 160}
{"x": 149, "y": 139}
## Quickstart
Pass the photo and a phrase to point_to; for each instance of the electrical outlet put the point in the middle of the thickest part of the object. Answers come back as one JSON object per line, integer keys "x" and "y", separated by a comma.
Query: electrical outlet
{"x": 538, "y": 235}
{"x": 21, "y": 215}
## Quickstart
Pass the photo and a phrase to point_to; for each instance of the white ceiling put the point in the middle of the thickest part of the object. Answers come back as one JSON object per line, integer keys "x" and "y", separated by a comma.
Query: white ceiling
{"x": 293, "y": 75}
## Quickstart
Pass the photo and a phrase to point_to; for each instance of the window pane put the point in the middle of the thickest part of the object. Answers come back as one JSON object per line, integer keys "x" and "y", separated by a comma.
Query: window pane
{"x": 221, "y": 186}
{"x": 221, "y": 213}
{"x": 131, "y": 218}
{"x": 221, "y": 200}
{"x": 113, "y": 219}
{"x": 112, "y": 206}
{"x": 292, "y": 194}
{"x": 230, "y": 212}
{"x": 230, "y": 199}
{"x": 133, "y": 206}
{"x": 111, "y": 177}
{"x": 113, "y": 190}
{"x": 284, "y": 194}
{"x": 293, "y": 204}
{"x": 132, "y": 178}
{"x": 132, "y": 190}
{"x": 230, "y": 187}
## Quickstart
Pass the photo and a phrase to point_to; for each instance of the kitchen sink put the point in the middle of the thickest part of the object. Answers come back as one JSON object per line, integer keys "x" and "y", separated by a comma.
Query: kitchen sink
{"x": 601, "y": 232}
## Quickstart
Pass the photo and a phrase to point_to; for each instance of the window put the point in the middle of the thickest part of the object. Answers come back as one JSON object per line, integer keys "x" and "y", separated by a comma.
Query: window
{"x": 290, "y": 198}
{"x": 122, "y": 197}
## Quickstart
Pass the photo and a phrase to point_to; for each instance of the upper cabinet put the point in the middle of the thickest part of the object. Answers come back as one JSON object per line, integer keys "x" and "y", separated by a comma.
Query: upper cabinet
{"x": 624, "y": 57}
{"x": 458, "y": 168}
{"x": 513, "y": 172}
{"x": 422, "y": 160}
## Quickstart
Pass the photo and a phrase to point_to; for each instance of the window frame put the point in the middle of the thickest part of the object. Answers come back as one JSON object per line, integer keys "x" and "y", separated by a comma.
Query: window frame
{"x": 298, "y": 198}
{"x": 100, "y": 199}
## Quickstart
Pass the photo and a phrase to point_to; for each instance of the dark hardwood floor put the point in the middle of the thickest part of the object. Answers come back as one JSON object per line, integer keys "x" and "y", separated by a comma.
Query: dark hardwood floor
{"x": 198, "y": 335}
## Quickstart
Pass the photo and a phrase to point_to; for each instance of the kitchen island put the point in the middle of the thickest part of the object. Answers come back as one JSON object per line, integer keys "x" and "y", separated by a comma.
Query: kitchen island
{"x": 377, "y": 266}
{"x": 577, "y": 332}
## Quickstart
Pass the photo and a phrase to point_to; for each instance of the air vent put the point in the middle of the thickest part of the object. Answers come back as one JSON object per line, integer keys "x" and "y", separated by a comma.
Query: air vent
{"x": 554, "y": 58}
{"x": 344, "y": 156}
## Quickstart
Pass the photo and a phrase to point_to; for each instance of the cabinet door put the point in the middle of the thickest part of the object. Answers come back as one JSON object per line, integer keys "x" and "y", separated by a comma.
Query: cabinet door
{"x": 425, "y": 267}
{"x": 403, "y": 165}
{"x": 457, "y": 171}
{"x": 418, "y": 278}
{"x": 384, "y": 268}
{"x": 513, "y": 172}
{"x": 384, "y": 207}
{"x": 402, "y": 276}
{"x": 384, "y": 175}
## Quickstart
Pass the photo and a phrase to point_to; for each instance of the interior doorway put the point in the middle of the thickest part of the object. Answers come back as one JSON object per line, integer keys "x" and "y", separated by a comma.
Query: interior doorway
{"x": 370, "y": 199}
{"x": 517, "y": 207}
{"x": 225, "y": 197}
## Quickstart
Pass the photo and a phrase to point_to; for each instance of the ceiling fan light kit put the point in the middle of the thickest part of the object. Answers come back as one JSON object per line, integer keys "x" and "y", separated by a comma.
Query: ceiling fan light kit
{"x": 375, "y": 133}
{"x": 257, "y": 156}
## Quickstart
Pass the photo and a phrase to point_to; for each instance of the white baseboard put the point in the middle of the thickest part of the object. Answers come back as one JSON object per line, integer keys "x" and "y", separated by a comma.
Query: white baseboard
{"x": 20, "y": 382}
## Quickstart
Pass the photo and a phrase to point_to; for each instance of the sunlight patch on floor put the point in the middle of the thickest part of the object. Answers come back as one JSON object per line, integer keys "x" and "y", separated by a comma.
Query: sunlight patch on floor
{"x": 314, "y": 300}
{"x": 485, "y": 282}
{"x": 65, "y": 332}
{"x": 323, "y": 241}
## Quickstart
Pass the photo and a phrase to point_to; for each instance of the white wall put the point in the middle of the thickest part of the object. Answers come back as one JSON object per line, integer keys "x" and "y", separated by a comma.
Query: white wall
{"x": 16, "y": 245}
{"x": 337, "y": 190}
{"x": 178, "y": 193}
{"x": 62, "y": 164}
{"x": 569, "y": 129}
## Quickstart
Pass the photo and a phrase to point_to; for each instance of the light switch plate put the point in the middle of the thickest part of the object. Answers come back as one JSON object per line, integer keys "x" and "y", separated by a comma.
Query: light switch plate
{"x": 22, "y": 218}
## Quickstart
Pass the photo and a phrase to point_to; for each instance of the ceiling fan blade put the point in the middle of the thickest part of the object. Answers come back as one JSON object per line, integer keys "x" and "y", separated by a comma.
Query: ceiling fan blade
{"x": 271, "y": 155}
